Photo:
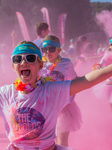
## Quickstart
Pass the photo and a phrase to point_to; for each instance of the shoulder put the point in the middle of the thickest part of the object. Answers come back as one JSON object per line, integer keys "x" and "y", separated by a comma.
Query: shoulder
{"x": 6, "y": 89}
{"x": 56, "y": 86}
{"x": 37, "y": 41}
{"x": 68, "y": 66}
{"x": 65, "y": 60}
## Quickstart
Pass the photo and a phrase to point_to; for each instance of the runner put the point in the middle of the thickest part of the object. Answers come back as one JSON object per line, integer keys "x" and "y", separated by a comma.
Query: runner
{"x": 60, "y": 69}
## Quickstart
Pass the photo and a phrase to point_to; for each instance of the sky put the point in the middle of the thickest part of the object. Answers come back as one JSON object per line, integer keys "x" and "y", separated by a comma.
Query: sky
{"x": 101, "y": 1}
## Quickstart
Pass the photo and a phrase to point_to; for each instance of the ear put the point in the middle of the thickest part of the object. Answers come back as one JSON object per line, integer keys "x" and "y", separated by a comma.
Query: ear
{"x": 13, "y": 67}
{"x": 59, "y": 50}
{"x": 41, "y": 65}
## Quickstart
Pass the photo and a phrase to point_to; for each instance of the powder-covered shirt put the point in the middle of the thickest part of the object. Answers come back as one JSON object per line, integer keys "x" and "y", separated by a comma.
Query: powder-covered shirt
{"x": 30, "y": 119}
{"x": 38, "y": 42}
{"x": 64, "y": 70}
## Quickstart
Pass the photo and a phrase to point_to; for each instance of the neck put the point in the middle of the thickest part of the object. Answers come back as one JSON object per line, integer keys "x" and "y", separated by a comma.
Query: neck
{"x": 39, "y": 37}
{"x": 25, "y": 92}
{"x": 53, "y": 61}
{"x": 58, "y": 59}
{"x": 29, "y": 88}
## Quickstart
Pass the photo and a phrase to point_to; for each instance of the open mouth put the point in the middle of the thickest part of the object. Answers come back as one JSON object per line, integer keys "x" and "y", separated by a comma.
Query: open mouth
{"x": 25, "y": 73}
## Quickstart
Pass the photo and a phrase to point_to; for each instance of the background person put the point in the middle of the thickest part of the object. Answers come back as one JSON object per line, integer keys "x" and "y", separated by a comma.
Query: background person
{"x": 42, "y": 30}
{"x": 60, "y": 69}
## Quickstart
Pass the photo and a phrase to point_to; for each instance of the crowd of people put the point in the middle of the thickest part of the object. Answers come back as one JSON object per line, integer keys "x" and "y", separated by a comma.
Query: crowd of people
{"x": 39, "y": 108}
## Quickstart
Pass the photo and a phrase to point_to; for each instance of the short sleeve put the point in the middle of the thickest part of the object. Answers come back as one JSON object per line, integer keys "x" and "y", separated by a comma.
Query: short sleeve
{"x": 5, "y": 92}
{"x": 58, "y": 92}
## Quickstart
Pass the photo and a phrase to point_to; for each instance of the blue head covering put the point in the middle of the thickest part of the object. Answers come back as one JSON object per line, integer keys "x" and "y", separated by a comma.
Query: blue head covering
{"x": 27, "y": 48}
{"x": 110, "y": 41}
{"x": 50, "y": 43}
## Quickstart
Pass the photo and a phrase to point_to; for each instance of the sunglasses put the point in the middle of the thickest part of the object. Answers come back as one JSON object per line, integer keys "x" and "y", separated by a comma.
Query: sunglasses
{"x": 29, "y": 58}
{"x": 51, "y": 49}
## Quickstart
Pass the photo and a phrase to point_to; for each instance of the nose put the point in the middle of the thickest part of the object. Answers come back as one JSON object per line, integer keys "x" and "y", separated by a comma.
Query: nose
{"x": 23, "y": 61}
{"x": 47, "y": 51}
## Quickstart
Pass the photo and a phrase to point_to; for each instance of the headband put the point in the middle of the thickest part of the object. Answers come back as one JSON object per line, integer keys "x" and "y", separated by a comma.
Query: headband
{"x": 27, "y": 48}
{"x": 50, "y": 43}
{"x": 110, "y": 41}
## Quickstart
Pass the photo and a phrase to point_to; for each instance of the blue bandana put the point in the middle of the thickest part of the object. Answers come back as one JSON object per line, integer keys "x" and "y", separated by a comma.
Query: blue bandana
{"x": 51, "y": 43}
{"x": 110, "y": 41}
{"x": 27, "y": 48}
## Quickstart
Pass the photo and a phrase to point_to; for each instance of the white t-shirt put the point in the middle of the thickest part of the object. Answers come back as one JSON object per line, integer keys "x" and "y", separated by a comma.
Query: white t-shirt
{"x": 64, "y": 70}
{"x": 38, "y": 42}
{"x": 30, "y": 119}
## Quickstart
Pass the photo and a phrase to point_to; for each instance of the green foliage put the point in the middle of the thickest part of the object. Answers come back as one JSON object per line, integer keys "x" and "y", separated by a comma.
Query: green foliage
{"x": 98, "y": 7}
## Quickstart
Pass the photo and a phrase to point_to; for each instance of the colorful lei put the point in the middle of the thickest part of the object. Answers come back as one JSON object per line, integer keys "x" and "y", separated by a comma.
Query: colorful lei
{"x": 97, "y": 66}
{"x": 52, "y": 66}
{"x": 44, "y": 59}
{"x": 45, "y": 79}
{"x": 58, "y": 59}
{"x": 21, "y": 86}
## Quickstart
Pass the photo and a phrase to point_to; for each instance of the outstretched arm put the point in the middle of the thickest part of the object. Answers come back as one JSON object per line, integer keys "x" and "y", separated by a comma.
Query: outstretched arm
{"x": 90, "y": 79}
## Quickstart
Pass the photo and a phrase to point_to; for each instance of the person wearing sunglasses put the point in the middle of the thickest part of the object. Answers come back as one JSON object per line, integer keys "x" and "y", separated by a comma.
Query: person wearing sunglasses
{"x": 30, "y": 106}
{"x": 60, "y": 69}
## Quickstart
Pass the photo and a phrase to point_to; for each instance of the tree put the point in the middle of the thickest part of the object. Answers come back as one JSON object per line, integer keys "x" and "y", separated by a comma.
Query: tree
{"x": 98, "y": 7}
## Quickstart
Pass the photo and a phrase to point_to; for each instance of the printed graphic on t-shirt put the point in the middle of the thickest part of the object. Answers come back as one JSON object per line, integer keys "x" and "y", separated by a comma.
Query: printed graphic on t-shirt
{"x": 27, "y": 123}
{"x": 56, "y": 75}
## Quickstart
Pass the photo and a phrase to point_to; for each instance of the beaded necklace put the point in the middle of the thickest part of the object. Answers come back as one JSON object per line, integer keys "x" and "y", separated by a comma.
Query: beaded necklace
{"x": 21, "y": 86}
{"x": 58, "y": 59}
